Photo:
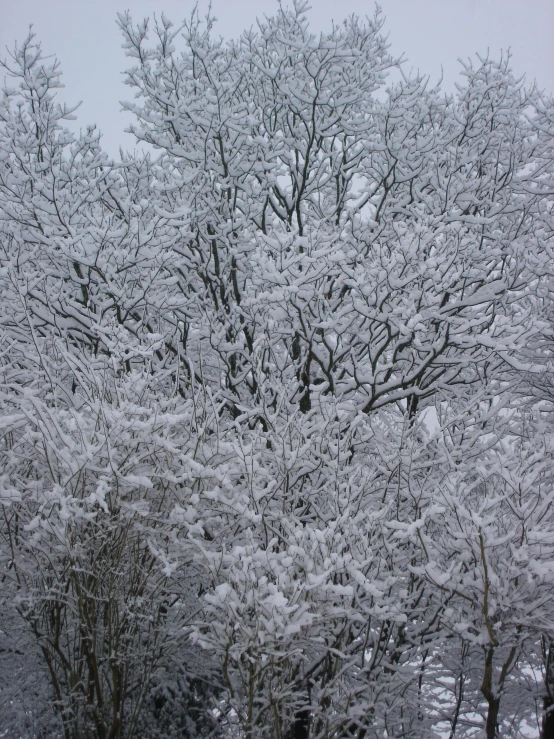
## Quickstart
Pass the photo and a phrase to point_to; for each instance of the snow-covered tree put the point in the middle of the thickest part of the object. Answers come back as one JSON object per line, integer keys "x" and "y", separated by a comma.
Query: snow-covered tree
{"x": 276, "y": 421}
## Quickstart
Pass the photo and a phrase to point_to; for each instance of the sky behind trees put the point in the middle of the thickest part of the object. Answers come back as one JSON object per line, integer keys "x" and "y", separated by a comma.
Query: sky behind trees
{"x": 430, "y": 34}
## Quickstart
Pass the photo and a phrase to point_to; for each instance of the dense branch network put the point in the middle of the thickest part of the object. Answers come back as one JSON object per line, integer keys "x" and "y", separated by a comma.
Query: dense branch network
{"x": 276, "y": 410}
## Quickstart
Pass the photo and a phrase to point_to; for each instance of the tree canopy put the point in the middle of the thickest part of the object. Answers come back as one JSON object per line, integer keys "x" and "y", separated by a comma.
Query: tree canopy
{"x": 276, "y": 430}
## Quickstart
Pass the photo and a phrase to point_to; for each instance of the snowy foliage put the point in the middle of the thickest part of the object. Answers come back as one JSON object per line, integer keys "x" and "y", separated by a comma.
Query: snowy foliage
{"x": 277, "y": 433}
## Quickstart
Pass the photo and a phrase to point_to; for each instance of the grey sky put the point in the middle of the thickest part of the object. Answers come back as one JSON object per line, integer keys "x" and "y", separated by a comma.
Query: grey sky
{"x": 431, "y": 33}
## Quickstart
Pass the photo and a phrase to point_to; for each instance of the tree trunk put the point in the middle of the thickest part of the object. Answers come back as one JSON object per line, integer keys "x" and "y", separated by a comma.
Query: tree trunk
{"x": 492, "y": 699}
{"x": 301, "y": 726}
{"x": 492, "y": 718}
{"x": 547, "y": 731}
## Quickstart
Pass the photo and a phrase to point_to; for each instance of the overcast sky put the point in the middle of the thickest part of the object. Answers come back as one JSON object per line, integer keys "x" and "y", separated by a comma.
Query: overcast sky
{"x": 430, "y": 33}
